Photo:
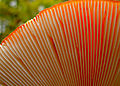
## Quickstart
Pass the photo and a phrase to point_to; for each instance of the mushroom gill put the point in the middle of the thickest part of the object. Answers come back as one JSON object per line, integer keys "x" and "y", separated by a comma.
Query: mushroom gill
{"x": 72, "y": 43}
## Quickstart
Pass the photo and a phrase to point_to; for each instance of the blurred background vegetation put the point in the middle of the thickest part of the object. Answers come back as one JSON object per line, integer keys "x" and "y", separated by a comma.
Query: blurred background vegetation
{"x": 14, "y": 13}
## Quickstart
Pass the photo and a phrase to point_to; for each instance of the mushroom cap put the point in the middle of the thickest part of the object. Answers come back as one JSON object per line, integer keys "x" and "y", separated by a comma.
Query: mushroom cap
{"x": 72, "y": 43}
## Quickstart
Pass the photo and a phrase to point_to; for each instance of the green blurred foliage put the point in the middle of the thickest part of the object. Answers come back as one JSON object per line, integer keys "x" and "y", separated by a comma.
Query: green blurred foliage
{"x": 13, "y": 13}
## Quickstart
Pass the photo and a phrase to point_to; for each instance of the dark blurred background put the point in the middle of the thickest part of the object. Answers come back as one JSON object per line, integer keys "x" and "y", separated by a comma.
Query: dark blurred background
{"x": 14, "y": 13}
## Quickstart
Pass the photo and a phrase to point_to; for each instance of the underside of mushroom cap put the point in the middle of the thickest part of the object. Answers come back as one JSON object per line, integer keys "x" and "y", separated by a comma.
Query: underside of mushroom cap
{"x": 72, "y": 43}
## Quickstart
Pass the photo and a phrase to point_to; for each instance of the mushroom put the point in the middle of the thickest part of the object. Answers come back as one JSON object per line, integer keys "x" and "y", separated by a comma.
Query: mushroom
{"x": 72, "y": 43}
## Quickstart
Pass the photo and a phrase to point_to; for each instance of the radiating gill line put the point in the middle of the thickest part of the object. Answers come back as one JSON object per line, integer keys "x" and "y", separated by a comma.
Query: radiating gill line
{"x": 13, "y": 47}
{"x": 96, "y": 50}
{"x": 4, "y": 80}
{"x": 42, "y": 43}
{"x": 14, "y": 67}
{"x": 50, "y": 44}
{"x": 112, "y": 39}
{"x": 40, "y": 36}
{"x": 90, "y": 42}
{"x": 55, "y": 59}
{"x": 16, "y": 61}
{"x": 114, "y": 49}
{"x": 94, "y": 42}
{"x": 54, "y": 56}
{"x": 61, "y": 31}
{"x": 84, "y": 59}
{"x": 114, "y": 24}
{"x": 52, "y": 51}
{"x": 19, "y": 48}
{"x": 53, "y": 25}
{"x": 104, "y": 37}
{"x": 62, "y": 24}
{"x": 58, "y": 33}
{"x": 61, "y": 38}
{"x": 113, "y": 69}
{"x": 31, "y": 26}
{"x": 107, "y": 48}
{"x": 36, "y": 28}
{"x": 79, "y": 43}
{"x": 76, "y": 32}
{"x": 79, "y": 4}
{"x": 66, "y": 36}
{"x": 10, "y": 76}
{"x": 117, "y": 74}
{"x": 101, "y": 17}
{"x": 70, "y": 27}
{"x": 102, "y": 12}
{"x": 46, "y": 43}
{"x": 77, "y": 36}
{"x": 29, "y": 51}
{"x": 115, "y": 65}
{"x": 87, "y": 43}
{"x": 72, "y": 11}
{"x": 74, "y": 39}
{"x": 31, "y": 39}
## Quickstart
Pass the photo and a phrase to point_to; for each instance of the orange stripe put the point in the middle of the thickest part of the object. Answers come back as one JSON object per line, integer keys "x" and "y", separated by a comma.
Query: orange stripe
{"x": 67, "y": 44}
